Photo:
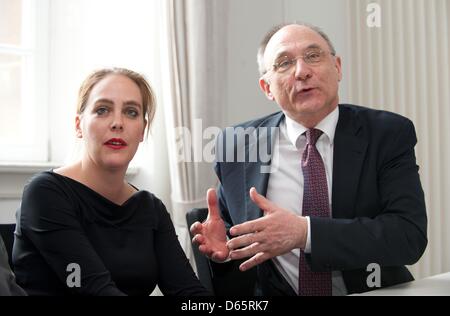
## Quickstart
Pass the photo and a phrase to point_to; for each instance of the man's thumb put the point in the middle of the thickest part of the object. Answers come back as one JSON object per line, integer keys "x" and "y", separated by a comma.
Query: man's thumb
{"x": 263, "y": 203}
{"x": 213, "y": 207}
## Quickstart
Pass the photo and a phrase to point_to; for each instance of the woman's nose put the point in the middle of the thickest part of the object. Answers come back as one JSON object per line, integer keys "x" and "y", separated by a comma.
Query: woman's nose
{"x": 117, "y": 123}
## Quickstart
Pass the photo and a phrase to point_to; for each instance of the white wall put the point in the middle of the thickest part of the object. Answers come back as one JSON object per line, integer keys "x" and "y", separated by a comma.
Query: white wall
{"x": 11, "y": 186}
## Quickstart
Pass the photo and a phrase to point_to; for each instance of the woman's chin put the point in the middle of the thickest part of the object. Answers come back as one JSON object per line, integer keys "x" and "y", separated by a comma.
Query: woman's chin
{"x": 116, "y": 164}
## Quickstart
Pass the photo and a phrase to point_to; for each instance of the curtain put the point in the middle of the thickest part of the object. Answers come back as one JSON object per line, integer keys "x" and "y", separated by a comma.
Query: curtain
{"x": 193, "y": 63}
{"x": 404, "y": 66}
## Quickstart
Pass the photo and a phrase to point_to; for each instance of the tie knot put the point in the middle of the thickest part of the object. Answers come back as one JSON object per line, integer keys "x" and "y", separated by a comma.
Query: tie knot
{"x": 312, "y": 135}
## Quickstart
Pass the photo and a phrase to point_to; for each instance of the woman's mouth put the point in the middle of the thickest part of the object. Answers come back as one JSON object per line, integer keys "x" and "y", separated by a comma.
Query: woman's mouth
{"x": 116, "y": 143}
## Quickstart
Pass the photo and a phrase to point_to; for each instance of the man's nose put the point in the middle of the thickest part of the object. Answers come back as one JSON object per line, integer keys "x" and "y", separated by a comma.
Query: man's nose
{"x": 303, "y": 71}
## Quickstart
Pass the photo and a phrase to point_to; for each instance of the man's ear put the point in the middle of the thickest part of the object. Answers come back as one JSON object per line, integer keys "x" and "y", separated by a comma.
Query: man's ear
{"x": 79, "y": 134}
{"x": 265, "y": 87}
{"x": 339, "y": 67}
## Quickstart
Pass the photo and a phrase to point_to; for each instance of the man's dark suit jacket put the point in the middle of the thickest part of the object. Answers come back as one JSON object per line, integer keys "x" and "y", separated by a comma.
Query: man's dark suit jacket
{"x": 378, "y": 208}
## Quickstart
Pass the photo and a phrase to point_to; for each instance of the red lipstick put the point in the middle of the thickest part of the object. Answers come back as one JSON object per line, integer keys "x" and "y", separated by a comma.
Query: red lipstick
{"x": 116, "y": 143}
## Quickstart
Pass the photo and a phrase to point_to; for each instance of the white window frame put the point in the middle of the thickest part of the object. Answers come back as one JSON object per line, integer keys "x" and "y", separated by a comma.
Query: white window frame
{"x": 35, "y": 52}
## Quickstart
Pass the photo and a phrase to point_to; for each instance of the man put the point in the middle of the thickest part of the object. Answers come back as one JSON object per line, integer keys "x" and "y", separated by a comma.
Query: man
{"x": 8, "y": 284}
{"x": 343, "y": 192}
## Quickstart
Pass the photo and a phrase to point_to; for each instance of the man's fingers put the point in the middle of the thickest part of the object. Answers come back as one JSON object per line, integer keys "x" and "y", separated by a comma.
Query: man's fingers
{"x": 198, "y": 239}
{"x": 242, "y": 241}
{"x": 205, "y": 250}
{"x": 219, "y": 256}
{"x": 261, "y": 201}
{"x": 213, "y": 207}
{"x": 246, "y": 252}
{"x": 253, "y": 261}
{"x": 196, "y": 228}
{"x": 248, "y": 227}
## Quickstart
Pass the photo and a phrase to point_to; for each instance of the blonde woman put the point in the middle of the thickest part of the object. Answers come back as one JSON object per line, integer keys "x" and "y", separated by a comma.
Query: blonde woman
{"x": 86, "y": 220}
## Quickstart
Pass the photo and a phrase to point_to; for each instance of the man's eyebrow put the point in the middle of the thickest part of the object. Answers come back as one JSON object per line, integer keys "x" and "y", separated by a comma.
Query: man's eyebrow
{"x": 281, "y": 54}
{"x": 313, "y": 46}
{"x": 284, "y": 53}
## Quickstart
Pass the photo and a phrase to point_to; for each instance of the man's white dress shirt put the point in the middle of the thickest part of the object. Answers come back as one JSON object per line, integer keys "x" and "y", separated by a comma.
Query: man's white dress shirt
{"x": 285, "y": 187}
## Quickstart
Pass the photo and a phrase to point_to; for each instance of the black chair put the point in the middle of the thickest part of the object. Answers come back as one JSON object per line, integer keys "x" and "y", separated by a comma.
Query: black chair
{"x": 7, "y": 234}
{"x": 222, "y": 279}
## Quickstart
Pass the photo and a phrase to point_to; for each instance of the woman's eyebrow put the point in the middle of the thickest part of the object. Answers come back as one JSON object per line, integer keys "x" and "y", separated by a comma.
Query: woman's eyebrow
{"x": 133, "y": 103}
{"x": 104, "y": 101}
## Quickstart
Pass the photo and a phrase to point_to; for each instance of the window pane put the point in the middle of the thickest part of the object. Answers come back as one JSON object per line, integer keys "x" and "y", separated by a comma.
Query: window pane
{"x": 10, "y": 22}
{"x": 10, "y": 94}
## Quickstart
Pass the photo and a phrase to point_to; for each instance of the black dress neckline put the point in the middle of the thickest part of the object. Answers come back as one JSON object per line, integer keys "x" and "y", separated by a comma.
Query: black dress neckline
{"x": 105, "y": 199}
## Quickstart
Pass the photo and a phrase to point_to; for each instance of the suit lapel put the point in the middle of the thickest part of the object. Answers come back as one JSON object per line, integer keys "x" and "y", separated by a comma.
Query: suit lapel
{"x": 349, "y": 152}
{"x": 257, "y": 173}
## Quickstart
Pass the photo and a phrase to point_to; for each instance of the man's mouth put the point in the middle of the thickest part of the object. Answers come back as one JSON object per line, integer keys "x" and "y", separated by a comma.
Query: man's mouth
{"x": 306, "y": 90}
{"x": 303, "y": 92}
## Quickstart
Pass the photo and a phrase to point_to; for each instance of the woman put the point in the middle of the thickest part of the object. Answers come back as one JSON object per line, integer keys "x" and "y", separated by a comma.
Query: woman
{"x": 83, "y": 229}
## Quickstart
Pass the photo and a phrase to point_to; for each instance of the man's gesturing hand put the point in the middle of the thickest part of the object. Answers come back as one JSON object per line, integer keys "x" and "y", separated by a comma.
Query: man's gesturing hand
{"x": 277, "y": 233}
{"x": 211, "y": 234}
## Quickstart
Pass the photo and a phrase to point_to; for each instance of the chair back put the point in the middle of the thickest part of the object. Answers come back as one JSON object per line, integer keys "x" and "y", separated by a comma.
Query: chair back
{"x": 7, "y": 234}
{"x": 201, "y": 261}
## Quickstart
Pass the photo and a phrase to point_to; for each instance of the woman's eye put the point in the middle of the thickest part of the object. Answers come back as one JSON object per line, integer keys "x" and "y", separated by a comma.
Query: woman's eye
{"x": 101, "y": 111}
{"x": 132, "y": 113}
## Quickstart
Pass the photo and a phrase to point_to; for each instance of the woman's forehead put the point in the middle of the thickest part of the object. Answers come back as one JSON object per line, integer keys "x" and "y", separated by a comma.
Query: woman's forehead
{"x": 116, "y": 85}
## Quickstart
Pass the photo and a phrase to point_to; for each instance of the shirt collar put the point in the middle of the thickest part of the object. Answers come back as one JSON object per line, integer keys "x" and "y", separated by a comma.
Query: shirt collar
{"x": 327, "y": 126}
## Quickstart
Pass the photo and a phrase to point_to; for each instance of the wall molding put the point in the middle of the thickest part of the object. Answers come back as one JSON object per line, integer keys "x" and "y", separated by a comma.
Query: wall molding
{"x": 25, "y": 168}
{"x": 10, "y": 196}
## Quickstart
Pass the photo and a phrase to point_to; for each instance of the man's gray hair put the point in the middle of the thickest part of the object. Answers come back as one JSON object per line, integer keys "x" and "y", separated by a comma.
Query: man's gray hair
{"x": 262, "y": 47}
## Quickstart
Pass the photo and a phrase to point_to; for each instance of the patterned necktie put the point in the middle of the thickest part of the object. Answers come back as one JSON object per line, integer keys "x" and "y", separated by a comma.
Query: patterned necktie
{"x": 315, "y": 204}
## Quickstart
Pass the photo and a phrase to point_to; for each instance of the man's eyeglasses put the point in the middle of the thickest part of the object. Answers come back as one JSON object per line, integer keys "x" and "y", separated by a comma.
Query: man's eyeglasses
{"x": 310, "y": 57}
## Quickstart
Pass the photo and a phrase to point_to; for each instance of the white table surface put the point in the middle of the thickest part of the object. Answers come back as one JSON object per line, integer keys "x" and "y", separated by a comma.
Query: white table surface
{"x": 435, "y": 285}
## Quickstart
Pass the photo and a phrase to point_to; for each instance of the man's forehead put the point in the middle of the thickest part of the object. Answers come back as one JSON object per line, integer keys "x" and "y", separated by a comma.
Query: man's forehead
{"x": 294, "y": 37}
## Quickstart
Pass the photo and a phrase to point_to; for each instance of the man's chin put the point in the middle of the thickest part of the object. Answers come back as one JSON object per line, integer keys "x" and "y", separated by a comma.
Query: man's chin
{"x": 308, "y": 108}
